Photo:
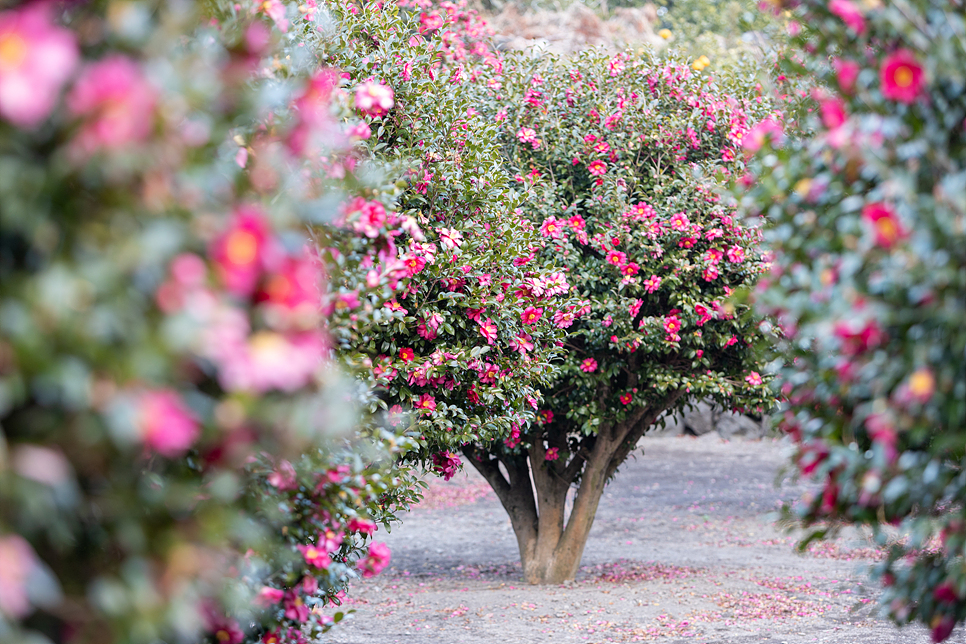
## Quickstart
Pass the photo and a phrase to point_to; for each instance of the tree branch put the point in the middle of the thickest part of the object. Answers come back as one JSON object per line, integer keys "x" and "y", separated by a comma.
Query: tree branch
{"x": 636, "y": 429}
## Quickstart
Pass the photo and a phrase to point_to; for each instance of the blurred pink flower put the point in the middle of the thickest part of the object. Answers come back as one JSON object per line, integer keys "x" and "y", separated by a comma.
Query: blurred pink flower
{"x": 291, "y": 294}
{"x": 446, "y": 464}
{"x": 116, "y": 103}
{"x": 17, "y": 560}
{"x": 165, "y": 423}
{"x": 901, "y": 76}
{"x": 850, "y": 14}
{"x": 283, "y": 477}
{"x": 552, "y": 454}
{"x": 315, "y": 556}
{"x": 271, "y": 361}
{"x": 376, "y": 560}
{"x": 36, "y": 59}
{"x": 374, "y": 99}
{"x": 885, "y": 224}
{"x": 362, "y": 526}
{"x": 846, "y": 71}
{"x": 269, "y": 596}
{"x": 242, "y": 251}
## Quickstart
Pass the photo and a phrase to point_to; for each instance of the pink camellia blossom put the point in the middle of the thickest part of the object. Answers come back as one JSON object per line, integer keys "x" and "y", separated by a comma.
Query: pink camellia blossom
{"x": 531, "y": 315}
{"x": 901, "y": 76}
{"x": 710, "y": 274}
{"x": 846, "y": 71}
{"x": 240, "y": 253}
{"x": 597, "y": 168}
{"x": 513, "y": 439}
{"x": 283, "y": 477}
{"x": 291, "y": 295}
{"x": 766, "y": 131}
{"x": 616, "y": 258}
{"x": 224, "y": 629}
{"x": 164, "y": 422}
{"x": 626, "y": 398}
{"x": 633, "y": 309}
{"x": 589, "y": 365}
{"x": 522, "y": 342}
{"x": 413, "y": 264}
{"x": 753, "y": 379}
{"x": 545, "y": 417}
{"x": 315, "y": 556}
{"x": 17, "y": 561}
{"x": 850, "y": 14}
{"x": 269, "y": 596}
{"x": 680, "y": 222}
{"x": 552, "y": 454}
{"x": 450, "y": 238}
{"x": 528, "y": 135}
{"x": 704, "y": 314}
{"x": 446, "y": 464}
{"x": 630, "y": 269}
{"x": 426, "y": 402}
{"x": 833, "y": 113}
{"x": 735, "y": 254}
{"x": 885, "y": 223}
{"x": 115, "y": 102}
{"x": 488, "y": 329}
{"x": 375, "y": 99}
{"x": 616, "y": 65}
{"x": 551, "y": 228}
{"x": 375, "y": 560}
{"x": 362, "y": 526}
{"x": 371, "y": 216}
{"x": 295, "y": 608}
{"x": 268, "y": 361}
{"x": 652, "y": 283}
{"x": 275, "y": 10}
{"x": 429, "y": 22}
{"x": 36, "y": 59}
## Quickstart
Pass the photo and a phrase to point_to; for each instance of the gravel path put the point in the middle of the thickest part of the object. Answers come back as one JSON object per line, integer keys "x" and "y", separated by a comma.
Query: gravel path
{"x": 682, "y": 551}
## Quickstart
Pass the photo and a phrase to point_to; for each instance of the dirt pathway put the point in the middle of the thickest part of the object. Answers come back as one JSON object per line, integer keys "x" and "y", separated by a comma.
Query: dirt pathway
{"x": 682, "y": 551}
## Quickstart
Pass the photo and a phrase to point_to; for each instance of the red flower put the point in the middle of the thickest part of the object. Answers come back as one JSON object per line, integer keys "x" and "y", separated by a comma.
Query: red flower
{"x": 406, "y": 355}
{"x": 531, "y": 314}
{"x": 886, "y": 224}
{"x": 901, "y": 76}
{"x": 627, "y": 398}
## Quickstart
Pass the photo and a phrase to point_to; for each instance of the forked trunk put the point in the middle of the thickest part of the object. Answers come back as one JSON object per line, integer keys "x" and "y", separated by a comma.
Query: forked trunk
{"x": 534, "y": 493}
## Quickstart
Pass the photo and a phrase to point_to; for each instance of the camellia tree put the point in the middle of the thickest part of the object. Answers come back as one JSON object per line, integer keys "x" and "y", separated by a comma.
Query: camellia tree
{"x": 464, "y": 331}
{"x": 617, "y": 157}
{"x": 869, "y": 227}
{"x": 178, "y": 455}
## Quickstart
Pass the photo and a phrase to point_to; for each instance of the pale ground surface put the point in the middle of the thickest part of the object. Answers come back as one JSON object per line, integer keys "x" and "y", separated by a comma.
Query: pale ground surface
{"x": 682, "y": 551}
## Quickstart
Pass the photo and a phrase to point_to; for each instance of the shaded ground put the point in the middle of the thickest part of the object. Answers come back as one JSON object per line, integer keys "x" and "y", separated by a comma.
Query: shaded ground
{"x": 682, "y": 551}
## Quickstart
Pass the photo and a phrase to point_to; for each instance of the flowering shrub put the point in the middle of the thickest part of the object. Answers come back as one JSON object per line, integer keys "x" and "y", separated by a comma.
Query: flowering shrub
{"x": 870, "y": 229}
{"x": 457, "y": 328}
{"x": 617, "y": 163}
{"x": 178, "y": 458}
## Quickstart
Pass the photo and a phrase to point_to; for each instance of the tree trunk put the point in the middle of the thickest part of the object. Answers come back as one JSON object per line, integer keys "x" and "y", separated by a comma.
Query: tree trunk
{"x": 551, "y": 544}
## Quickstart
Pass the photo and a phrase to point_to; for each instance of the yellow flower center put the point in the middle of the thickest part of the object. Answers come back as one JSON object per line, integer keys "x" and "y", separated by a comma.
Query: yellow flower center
{"x": 13, "y": 51}
{"x": 223, "y": 635}
{"x": 241, "y": 247}
{"x": 921, "y": 383}
{"x": 903, "y": 76}
{"x": 887, "y": 229}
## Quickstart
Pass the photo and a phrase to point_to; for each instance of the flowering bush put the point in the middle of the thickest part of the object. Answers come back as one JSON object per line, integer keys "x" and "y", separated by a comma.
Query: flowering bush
{"x": 457, "y": 329}
{"x": 870, "y": 229}
{"x": 178, "y": 458}
{"x": 617, "y": 157}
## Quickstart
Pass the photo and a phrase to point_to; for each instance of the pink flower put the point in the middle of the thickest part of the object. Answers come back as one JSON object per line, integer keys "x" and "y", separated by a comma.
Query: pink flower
{"x": 36, "y": 59}
{"x": 846, "y": 71}
{"x": 371, "y": 216}
{"x": 528, "y": 135}
{"x": 375, "y": 99}
{"x": 225, "y": 630}
{"x": 615, "y": 66}
{"x": 488, "y": 329}
{"x": 626, "y": 398}
{"x": 735, "y": 254}
{"x": 545, "y": 417}
{"x": 753, "y": 379}
{"x": 672, "y": 324}
{"x": 426, "y": 402}
{"x": 240, "y": 253}
{"x": 450, "y": 238}
{"x": 292, "y": 294}
{"x": 551, "y": 228}
{"x": 165, "y": 423}
{"x": 269, "y": 596}
{"x": 362, "y": 526}
{"x": 564, "y": 318}
{"x": 552, "y": 454}
{"x": 406, "y": 354}
{"x": 710, "y": 274}
{"x": 901, "y": 76}
{"x": 885, "y": 223}
{"x": 577, "y": 223}
{"x": 597, "y": 168}
{"x": 616, "y": 258}
{"x": 315, "y": 556}
{"x": 704, "y": 314}
{"x": 271, "y": 361}
{"x": 630, "y": 269}
{"x": 17, "y": 561}
{"x": 513, "y": 439}
{"x": 283, "y": 477}
{"x": 531, "y": 315}
{"x": 633, "y": 309}
{"x": 375, "y": 561}
{"x": 522, "y": 343}
{"x": 652, "y": 283}
{"x": 429, "y": 22}
{"x": 767, "y": 130}
{"x": 446, "y": 464}
{"x": 295, "y": 608}
{"x": 849, "y": 13}
{"x": 680, "y": 222}
{"x": 833, "y": 112}
{"x": 116, "y": 102}
{"x": 589, "y": 365}
{"x": 275, "y": 10}
{"x": 413, "y": 264}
